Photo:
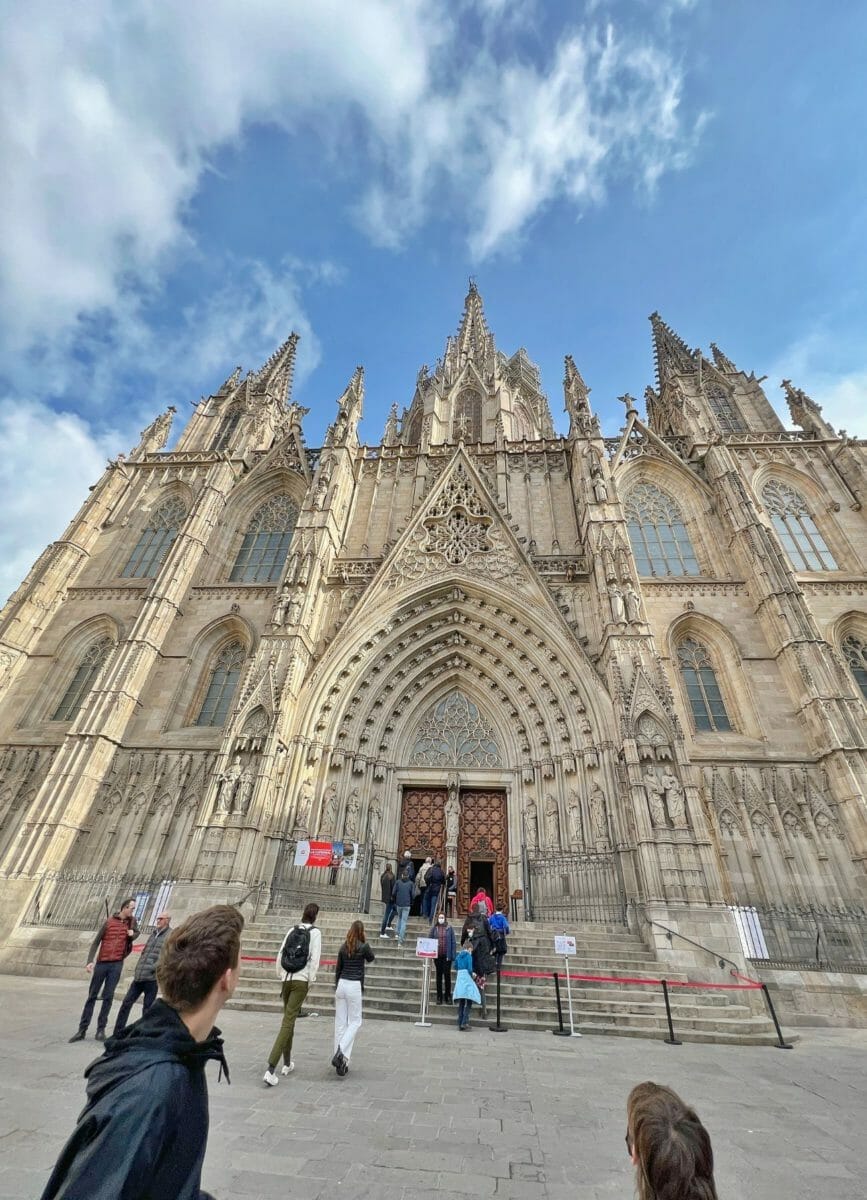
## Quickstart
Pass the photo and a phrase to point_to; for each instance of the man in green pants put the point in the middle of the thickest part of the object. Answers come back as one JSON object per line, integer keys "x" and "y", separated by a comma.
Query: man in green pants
{"x": 297, "y": 964}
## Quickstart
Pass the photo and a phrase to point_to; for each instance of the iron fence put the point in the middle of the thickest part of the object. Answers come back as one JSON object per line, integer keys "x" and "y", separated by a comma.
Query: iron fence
{"x": 82, "y": 899}
{"x": 339, "y": 888}
{"x": 804, "y": 937}
{"x": 582, "y": 886}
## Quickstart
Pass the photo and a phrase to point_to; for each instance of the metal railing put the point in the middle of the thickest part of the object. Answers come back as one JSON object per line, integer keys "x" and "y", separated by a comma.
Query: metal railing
{"x": 338, "y": 888}
{"x": 73, "y": 899}
{"x": 817, "y": 937}
{"x": 583, "y": 886}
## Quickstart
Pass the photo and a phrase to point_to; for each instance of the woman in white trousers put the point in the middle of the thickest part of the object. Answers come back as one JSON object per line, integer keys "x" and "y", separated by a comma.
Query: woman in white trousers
{"x": 348, "y": 990}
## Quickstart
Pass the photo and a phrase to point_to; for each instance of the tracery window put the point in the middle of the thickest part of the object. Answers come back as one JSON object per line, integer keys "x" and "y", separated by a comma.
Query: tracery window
{"x": 222, "y": 685}
{"x": 266, "y": 542}
{"x": 153, "y": 545}
{"x": 723, "y": 408}
{"x": 702, "y": 689}
{"x": 468, "y": 417}
{"x": 797, "y": 530}
{"x": 83, "y": 680}
{"x": 413, "y": 433}
{"x": 658, "y": 534}
{"x": 455, "y": 734}
{"x": 228, "y": 427}
{"x": 522, "y": 425}
{"x": 855, "y": 653}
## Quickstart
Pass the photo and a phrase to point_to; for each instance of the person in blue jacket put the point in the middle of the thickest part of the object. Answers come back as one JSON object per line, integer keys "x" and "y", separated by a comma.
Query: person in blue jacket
{"x": 144, "y": 1129}
{"x": 499, "y": 924}
{"x": 466, "y": 993}
{"x": 445, "y": 938}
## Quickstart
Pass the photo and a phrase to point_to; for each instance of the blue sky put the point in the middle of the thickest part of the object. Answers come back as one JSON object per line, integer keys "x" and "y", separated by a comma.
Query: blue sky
{"x": 186, "y": 183}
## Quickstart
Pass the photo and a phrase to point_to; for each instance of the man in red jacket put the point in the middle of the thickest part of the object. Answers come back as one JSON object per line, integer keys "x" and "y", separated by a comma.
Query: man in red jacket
{"x": 110, "y": 947}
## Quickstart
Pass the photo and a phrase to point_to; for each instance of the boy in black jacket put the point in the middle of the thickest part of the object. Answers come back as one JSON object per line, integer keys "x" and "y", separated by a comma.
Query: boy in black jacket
{"x": 144, "y": 1129}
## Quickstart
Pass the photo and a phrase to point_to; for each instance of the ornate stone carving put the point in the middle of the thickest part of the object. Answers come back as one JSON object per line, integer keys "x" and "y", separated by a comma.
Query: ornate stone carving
{"x": 552, "y": 823}
{"x": 329, "y": 810}
{"x": 455, "y": 734}
{"x": 655, "y": 793}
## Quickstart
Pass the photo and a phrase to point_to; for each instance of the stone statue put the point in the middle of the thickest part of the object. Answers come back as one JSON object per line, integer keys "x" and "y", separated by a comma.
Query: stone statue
{"x": 305, "y": 801}
{"x": 618, "y": 612}
{"x": 244, "y": 794}
{"x": 552, "y": 822}
{"x": 353, "y": 808}
{"x": 600, "y": 488}
{"x": 452, "y": 814}
{"x": 228, "y": 785}
{"x": 531, "y": 825}
{"x": 375, "y": 816}
{"x": 597, "y": 817}
{"x": 655, "y": 798}
{"x": 574, "y": 811}
{"x": 633, "y": 603}
{"x": 329, "y": 809}
{"x": 282, "y": 604}
{"x": 675, "y": 799}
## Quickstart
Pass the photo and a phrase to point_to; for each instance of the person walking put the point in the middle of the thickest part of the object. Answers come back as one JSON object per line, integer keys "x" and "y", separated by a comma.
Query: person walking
{"x": 144, "y": 1129}
{"x": 451, "y": 892}
{"x": 445, "y": 937}
{"x": 144, "y": 980}
{"x": 482, "y": 897}
{"x": 386, "y": 883}
{"x": 402, "y": 897}
{"x": 466, "y": 992}
{"x": 297, "y": 964}
{"x": 109, "y": 948}
{"x": 348, "y": 992}
{"x": 500, "y": 928}
{"x": 421, "y": 887}
{"x": 477, "y": 931}
{"x": 435, "y": 879}
{"x": 668, "y": 1145}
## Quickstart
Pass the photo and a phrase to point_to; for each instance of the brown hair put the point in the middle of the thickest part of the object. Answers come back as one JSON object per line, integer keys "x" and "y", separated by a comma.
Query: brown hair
{"x": 355, "y": 937}
{"x": 197, "y": 953}
{"x": 311, "y": 912}
{"x": 675, "y": 1157}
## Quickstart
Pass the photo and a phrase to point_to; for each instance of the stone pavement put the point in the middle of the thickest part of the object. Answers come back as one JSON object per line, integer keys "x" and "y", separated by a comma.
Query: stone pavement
{"x": 429, "y": 1112}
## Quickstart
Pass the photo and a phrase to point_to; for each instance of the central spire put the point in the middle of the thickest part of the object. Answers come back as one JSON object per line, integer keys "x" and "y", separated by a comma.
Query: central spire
{"x": 474, "y": 341}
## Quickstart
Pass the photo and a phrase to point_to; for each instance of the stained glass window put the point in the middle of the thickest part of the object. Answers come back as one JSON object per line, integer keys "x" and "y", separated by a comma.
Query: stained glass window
{"x": 657, "y": 532}
{"x": 796, "y": 529}
{"x": 723, "y": 408}
{"x": 83, "y": 680}
{"x": 158, "y": 535}
{"x": 468, "y": 417}
{"x": 228, "y": 427}
{"x": 266, "y": 542}
{"x": 702, "y": 689}
{"x": 222, "y": 685}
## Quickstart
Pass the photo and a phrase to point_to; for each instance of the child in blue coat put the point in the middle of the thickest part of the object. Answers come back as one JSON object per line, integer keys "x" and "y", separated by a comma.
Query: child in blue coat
{"x": 465, "y": 987}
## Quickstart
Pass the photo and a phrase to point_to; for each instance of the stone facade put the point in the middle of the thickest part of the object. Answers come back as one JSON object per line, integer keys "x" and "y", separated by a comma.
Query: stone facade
{"x": 650, "y": 644}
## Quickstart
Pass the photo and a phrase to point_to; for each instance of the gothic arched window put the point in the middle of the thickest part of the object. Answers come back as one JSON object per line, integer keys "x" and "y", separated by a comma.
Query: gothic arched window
{"x": 722, "y": 407}
{"x": 702, "y": 689}
{"x": 221, "y": 686}
{"x": 468, "y": 417}
{"x": 83, "y": 680}
{"x": 796, "y": 529}
{"x": 522, "y": 425}
{"x": 158, "y": 535}
{"x": 855, "y": 653}
{"x": 658, "y": 535}
{"x": 228, "y": 427}
{"x": 455, "y": 734}
{"x": 413, "y": 431}
{"x": 266, "y": 542}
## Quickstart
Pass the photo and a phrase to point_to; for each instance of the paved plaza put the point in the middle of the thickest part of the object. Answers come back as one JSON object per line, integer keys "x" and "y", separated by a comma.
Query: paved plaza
{"x": 428, "y": 1112}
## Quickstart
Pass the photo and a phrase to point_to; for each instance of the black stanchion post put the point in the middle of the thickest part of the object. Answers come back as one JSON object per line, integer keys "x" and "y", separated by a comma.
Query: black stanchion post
{"x": 561, "y": 1032}
{"x": 498, "y": 1028}
{"x": 671, "y": 1040}
{"x": 781, "y": 1044}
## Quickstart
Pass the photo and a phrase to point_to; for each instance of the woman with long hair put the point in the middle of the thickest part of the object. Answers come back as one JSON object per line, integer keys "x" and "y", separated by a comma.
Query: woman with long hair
{"x": 669, "y": 1146}
{"x": 348, "y": 989}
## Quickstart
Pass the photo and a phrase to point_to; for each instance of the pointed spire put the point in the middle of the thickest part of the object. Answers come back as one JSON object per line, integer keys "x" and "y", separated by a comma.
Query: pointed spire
{"x": 721, "y": 361}
{"x": 231, "y": 383}
{"x": 670, "y": 352}
{"x": 276, "y": 375}
{"x": 349, "y": 408}
{"x": 156, "y": 435}
{"x": 474, "y": 340}
{"x": 389, "y": 437}
{"x": 805, "y": 411}
{"x": 582, "y": 422}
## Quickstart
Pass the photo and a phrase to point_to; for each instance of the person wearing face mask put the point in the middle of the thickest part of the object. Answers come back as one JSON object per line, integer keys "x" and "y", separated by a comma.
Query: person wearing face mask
{"x": 445, "y": 937}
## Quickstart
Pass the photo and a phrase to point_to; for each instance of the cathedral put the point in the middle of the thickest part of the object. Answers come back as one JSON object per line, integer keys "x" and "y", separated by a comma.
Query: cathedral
{"x": 593, "y": 673}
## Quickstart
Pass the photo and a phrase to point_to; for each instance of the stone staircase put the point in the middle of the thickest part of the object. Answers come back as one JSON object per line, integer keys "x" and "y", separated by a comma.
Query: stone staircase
{"x": 393, "y": 984}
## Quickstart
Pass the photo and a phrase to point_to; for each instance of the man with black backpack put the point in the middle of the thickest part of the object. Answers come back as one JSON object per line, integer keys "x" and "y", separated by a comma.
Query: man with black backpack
{"x": 297, "y": 964}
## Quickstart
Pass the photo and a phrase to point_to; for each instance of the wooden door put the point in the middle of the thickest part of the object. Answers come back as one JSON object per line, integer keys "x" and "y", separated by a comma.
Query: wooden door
{"x": 483, "y": 837}
{"x": 422, "y": 825}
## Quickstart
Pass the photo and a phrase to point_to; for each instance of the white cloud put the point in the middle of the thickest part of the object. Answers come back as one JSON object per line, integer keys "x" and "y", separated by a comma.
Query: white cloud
{"x": 113, "y": 111}
{"x": 836, "y": 379}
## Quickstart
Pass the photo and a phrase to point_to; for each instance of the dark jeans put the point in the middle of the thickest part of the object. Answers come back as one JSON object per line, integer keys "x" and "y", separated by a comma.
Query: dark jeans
{"x": 444, "y": 979}
{"x": 429, "y": 902}
{"x": 105, "y": 976}
{"x": 464, "y": 1009}
{"x": 388, "y": 916}
{"x": 138, "y": 987}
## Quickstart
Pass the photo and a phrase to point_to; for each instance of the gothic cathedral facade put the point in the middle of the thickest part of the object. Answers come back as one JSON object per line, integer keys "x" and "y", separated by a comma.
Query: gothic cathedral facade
{"x": 477, "y": 638}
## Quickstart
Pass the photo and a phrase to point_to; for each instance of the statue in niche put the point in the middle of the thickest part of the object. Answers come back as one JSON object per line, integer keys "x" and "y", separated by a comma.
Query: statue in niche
{"x": 353, "y": 810}
{"x": 452, "y": 814}
{"x": 552, "y": 822}
{"x": 374, "y": 817}
{"x": 228, "y": 785}
{"x": 329, "y": 809}
{"x": 598, "y": 821}
{"x": 305, "y": 803}
{"x": 600, "y": 488}
{"x": 574, "y": 813}
{"x": 633, "y": 602}
{"x": 283, "y": 602}
{"x": 531, "y": 825}
{"x": 244, "y": 794}
{"x": 675, "y": 799}
{"x": 618, "y": 611}
{"x": 655, "y": 798}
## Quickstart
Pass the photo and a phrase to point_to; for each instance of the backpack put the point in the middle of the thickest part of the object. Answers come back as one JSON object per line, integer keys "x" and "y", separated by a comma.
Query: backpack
{"x": 498, "y": 941}
{"x": 296, "y": 950}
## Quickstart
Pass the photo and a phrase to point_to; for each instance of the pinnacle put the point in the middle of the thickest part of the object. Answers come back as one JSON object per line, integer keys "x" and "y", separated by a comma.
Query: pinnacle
{"x": 721, "y": 361}
{"x": 670, "y": 351}
{"x": 276, "y": 374}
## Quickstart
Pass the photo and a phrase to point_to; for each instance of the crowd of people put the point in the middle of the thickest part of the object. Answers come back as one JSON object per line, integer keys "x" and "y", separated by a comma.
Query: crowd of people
{"x": 143, "y": 1130}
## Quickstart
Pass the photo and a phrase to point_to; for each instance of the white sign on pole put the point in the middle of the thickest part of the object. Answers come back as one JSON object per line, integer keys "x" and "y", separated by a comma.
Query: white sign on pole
{"x": 426, "y": 947}
{"x": 563, "y": 945}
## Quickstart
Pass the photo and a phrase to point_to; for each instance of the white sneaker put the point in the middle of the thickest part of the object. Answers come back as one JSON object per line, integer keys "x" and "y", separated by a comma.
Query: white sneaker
{"x": 287, "y": 1069}
{"x": 270, "y": 1078}
{"x": 384, "y": 935}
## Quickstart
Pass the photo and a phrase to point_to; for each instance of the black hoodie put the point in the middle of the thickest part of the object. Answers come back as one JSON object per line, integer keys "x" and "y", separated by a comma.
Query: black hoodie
{"x": 143, "y": 1132}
